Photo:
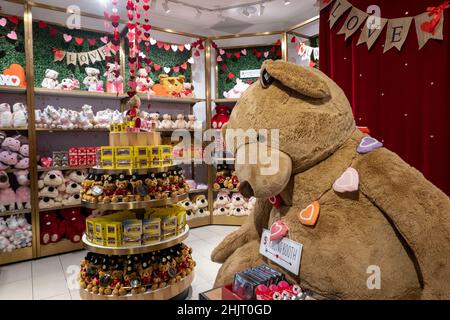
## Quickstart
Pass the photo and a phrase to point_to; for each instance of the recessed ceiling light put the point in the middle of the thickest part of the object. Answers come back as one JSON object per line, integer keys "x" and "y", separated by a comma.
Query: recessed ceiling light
{"x": 287, "y": 2}
{"x": 247, "y": 11}
{"x": 166, "y": 6}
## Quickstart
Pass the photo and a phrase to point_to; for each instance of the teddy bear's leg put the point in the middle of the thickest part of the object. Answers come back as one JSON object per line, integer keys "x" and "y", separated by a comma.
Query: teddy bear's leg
{"x": 243, "y": 258}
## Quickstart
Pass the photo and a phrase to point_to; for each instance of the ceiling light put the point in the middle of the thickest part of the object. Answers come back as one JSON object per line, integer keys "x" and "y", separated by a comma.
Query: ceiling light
{"x": 166, "y": 6}
{"x": 287, "y": 2}
{"x": 261, "y": 9}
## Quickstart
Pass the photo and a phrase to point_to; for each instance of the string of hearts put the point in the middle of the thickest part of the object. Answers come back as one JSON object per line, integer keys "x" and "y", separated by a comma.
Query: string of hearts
{"x": 223, "y": 54}
{"x": 305, "y": 51}
{"x": 53, "y": 32}
{"x": 198, "y": 45}
{"x": 429, "y": 24}
{"x": 12, "y": 34}
{"x": 151, "y": 65}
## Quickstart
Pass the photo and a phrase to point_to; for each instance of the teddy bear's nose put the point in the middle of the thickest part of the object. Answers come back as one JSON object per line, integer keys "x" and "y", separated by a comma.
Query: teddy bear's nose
{"x": 52, "y": 176}
{"x": 77, "y": 196}
{"x": 73, "y": 185}
{"x": 220, "y": 198}
{"x": 238, "y": 199}
{"x": 51, "y": 189}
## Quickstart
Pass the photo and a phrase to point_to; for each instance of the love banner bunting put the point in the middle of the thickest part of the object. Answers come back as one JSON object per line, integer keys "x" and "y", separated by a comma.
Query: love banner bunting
{"x": 84, "y": 58}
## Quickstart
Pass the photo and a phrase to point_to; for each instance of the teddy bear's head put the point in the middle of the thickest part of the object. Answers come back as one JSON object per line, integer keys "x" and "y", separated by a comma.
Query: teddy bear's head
{"x": 310, "y": 117}
{"x": 19, "y": 107}
{"x": 53, "y": 178}
{"x": 92, "y": 72}
{"x": 11, "y": 144}
{"x": 167, "y": 116}
{"x": 9, "y": 158}
{"x": 51, "y": 74}
{"x": 154, "y": 116}
{"x": 180, "y": 117}
{"x": 5, "y": 107}
{"x": 172, "y": 84}
{"x": 22, "y": 177}
{"x": 222, "y": 110}
{"x": 192, "y": 117}
{"x": 142, "y": 73}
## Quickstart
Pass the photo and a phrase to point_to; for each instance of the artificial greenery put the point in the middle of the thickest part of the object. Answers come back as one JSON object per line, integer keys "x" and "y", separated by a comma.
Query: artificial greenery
{"x": 244, "y": 62}
{"x": 44, "y": 43}
{"x": 12, "y": 51}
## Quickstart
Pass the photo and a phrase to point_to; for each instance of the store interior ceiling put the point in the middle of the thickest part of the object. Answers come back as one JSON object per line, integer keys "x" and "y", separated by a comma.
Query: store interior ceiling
{"x": 204, "y": 17}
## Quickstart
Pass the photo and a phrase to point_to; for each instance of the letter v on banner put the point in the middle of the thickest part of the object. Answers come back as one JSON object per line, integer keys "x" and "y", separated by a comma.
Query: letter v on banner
{"x": 371, "y": 32}
{"x": 354, "y": 20}
{"x": 339, "y": 8}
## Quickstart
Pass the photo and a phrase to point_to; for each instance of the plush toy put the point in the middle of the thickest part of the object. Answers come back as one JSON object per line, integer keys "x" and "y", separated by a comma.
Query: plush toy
{"x": 222, "y": 200}
{"x": 189, "y": 207}
{"x": 180, "y": 123}
{"x": 237, "y": 91}
{"x": 77, "y": 176}
{"x": 51, "y": 79}
{"x": 7, "y": 195}
{"x": 114, "y": 81}
{"x": 46, "y": 203}
{"x": 221, "y": 211}
{"x": 332, "y": 183}
{"x": 132, "y": 114}
{"x": 92, "y": 81}
{"x": 103, "y": 118}
{"x": 188, "y": 90}
{"x": 238, "y": 205}
{"x": 69, "y": 84}
{"x": 201, "y": 206}
{"x": 51, "y": 228}
{"x": 74, "y": 118}
{"x": 251, "y": 205}
{"x": 154, "y": 120}
{"x": 19, "y": 115}
{"x": 72, "y": 200}
{"x": 144, "y": 82}
{"x": 221, "y": 117}
{"x": 23, "y": 195}
{"x": 167, "y": 122}
{"x": 6, "y": 116}
{"x": 73, "y": 223}
{"x": 8, "y": 159}
{"x": 159, "y": 90}
{"x": 53, "y": 117}
{"x": 173, "y": 85}
{"x": 11, "y": 144}
{"x": 53, "y": 178}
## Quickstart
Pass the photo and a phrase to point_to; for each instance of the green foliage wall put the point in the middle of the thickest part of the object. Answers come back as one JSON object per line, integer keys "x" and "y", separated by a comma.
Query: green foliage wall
{"x": 44, "y": 44}
{"x": 235, "y": 65}
{"x": 11, "y": 51}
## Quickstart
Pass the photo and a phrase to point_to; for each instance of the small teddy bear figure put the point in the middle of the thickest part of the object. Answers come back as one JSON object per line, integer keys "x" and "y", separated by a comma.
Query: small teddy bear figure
{"x": 7, "y": 195}
{"x": 154, "y": 120}
{"x": 201, "y": 205}
{"x": 6, "y": 116}
{"x": 144, "y": 82}
{"x": 114, "y": 81}
{"x": 92, "y": 82}
{"x": 188, "y": 90}
{"x": 19, "y": 116}
{"x": 238, "y": 203}
{"x": 51, "y": 79}
{"x": 167, "y": 122}
{"x": 180, "y": 123}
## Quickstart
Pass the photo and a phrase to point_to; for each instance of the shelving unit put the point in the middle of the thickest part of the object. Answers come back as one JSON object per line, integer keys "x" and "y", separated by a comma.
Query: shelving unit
{"x": 11, "y": 89}
{"x": 10, "y": 213}
{"x": 62, "y": 246}
{"x": 63, "y": 168}
{"x": 77, "y": 94}
{"x": 229, "y": 220}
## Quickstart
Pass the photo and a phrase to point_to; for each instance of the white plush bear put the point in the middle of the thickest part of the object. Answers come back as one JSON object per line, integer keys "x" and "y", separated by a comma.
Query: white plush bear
{"x": 19, "y": 115}
{"x": 189, "y": 207}
{"x": 6, "y": 116}
{"x": 51, "y": 79}
{"x": 117, "y": 117}
{"x": 167, "y": 122}
{"x": 237, "y": 90}
{"x": 38, "y": 119}
{"x": 65, "y": 122}
{"x": 180, "y": 123}
{"x": 74, "y": 118}
{"x": 188, "y": 90}
{"x": 222, "y": 200}
{"x": 154, "y": 120}
{"x": 88, "y": 113}
{"x": 103, "y": 118}
{"x": 92, "y": 82}
{"x": 52, "y": 117}
{"x": 193, "y": 123}
{"x": 114, "y": 81}
{"x": 201, "y": 205}
{"x": 144, "y": 82}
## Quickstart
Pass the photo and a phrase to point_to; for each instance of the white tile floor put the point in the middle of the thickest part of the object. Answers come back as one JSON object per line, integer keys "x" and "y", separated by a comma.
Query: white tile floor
{"x": 54, "y": 278}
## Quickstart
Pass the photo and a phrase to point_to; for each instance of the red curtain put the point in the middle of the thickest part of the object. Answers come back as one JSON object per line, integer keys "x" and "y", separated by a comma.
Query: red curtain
{"x": 402, "y": 96}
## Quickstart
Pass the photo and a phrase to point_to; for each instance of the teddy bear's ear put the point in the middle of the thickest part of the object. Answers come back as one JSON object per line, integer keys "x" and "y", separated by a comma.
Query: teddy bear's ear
{"x": 300, "y": 79}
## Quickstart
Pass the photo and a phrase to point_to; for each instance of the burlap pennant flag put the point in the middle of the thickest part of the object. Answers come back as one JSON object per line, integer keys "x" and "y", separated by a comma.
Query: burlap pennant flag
{"x": 94, "y": 55}
{"x": 339, "y": 8}
{"x": 71, "y": 58}
{"x": 104, "y": 51}
{"x": 371, "y": 31}
{"x": 424, "y": 32}
{"x": 59, "y": 55}
{"x": 354, "y": 20}
{"x": 397, "y": 32}
{"x": 83, "y": 58}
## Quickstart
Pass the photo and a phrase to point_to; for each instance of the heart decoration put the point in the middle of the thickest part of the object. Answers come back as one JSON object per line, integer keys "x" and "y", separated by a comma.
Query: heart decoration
{"x": 160, "y": 45}
{"x": 278, "y": 230}
{"x": 12, "y": 35}
{"x": 312, "y": 64}
{"x": 187, "y": 46}
{"x": 228, "y": 55}
{"x": 230, "y": 75}
{"x": 104, "y": 39}
{"x": 258, "y": 54}
{"x": 368, "y": 144}
{"x": 3, "y": 22}
{"x": 130, "y": 16}
{"x": 53, "y": 32}
{"x": 157, "y": 67}
{"x": 219, "y": 59}
{"x": 279, "y": 53}
{"x": 310, "y": 214}
{"x": 244, "y": 52}
{"x": 92, "y": 42}
{"x": 191, "y": 60}
{"x": 266, "y": 54}
{"x": 272, "y": 49}
{"x": 166, "y": 46}
{"x": 67, "y": 37}
{"x": 278, "y": 42}
{"x": 114, "y": 48}
{"x": 146, "y": 7}
{"x": 147, "y": 36}
{"x": 152, "y": 41}
{"x": 294, "y": 39}
{"x": 184, "y": 66}
{"x": 132, "y": 59}
{"x": 224, "y": 68}
{"x": 222, "y": 52}
{"x": 14, "y": 19}
{"x": 79, "y": 41}
{"x": 347, "y": 182}
{"x": 176, "y": 69}
{"x": 131, "y": 36}
{"x": 166, "y": 69}
{"x": 197, "y": 53}
{"x": 181, "y": 47}
{"x": 131, "y": 25}
{"x": 429, "y": 26}
{"x": 237, "y": 55}
{"x": 174, "y": 47}
{"x": 42, "y": 25}
{"x": 146, "y": 27}
{"x": 59, "y": 55}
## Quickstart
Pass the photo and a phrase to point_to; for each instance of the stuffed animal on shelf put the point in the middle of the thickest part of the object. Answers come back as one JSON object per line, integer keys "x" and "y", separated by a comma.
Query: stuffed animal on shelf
{"x": 7, "y": 194}
{"x": 92, "y": 81}
{"x": 189, "y": 207}
{"x": 51, "y": 79}
{"x": 167, "y": 122}
{"x": 221, "y": 117}
{"x": 188, "y": 90}
{"x": 20, "y": 118}
{"x": 172, "y": 85}
{"x": 114, "y": 81}
{"x": 238, "y": 205}
{"x": 237, "y": 91}
{"x": 74, "y": 223}
{"x": 6, "y": 116}
{"x": 103, "y": 118}
{"x": 77, "y": 176}
{"x": 15, "y": 76}
{"x": 144, "y": 83}
{"x": 8, "y": 159}
{"x": 133, "y": 112}
{"x": 69, "y": 84}
{"x": 154, "y": 120}
{"x": 180, "y": 123}
{"x": 51, "y": 228}
{"x": 201, "y": 206}
{"x": 221, "y": 211}
{"x": 222, "y": 200}
{"x": 52, "y": 117}
{"x": 15, "y": 233}
{"x": 23, "y": 194}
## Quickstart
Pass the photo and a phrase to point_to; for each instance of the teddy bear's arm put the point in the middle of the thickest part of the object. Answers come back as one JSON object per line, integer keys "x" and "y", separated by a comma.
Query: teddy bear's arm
{"x": 418, "y": 210}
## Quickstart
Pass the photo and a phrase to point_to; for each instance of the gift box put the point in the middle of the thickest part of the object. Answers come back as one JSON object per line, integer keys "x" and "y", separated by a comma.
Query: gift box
{"x": 73, "y": 161}
{"x": 91, "y": 151}
{"x": 73, "y": 151}
{"x": 123, "y": 153}
{"x": 91, "y": 160}
{"x": 82, "y": 160}
{"x": 82, "y": 151}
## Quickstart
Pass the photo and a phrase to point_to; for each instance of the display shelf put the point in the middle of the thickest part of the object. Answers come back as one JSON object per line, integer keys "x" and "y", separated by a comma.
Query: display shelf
{"x": 72, "y": 130}
{"x": 97, "y": 170}
{"x": 173, "y": 100}
{"x": 63, "y": 168}
{"x": 137, "y": 249}
{"x": 16, "y": 255}
{"x": 12, "y": 170}
{"x": 59, "y": 208}
{"x": 62, "y": 246}
{"x": 166, "y": 293}
{"x": 199, "y": 222}
{"x": 225, "y": 101}
{"x": 135, "y": 204}
{"x": 10, "y": 213}
{"x": 14, "y": 129}
{"x": 12, "y": 89}
{"x": 77, "y": 94}
{"x": 196, "y": 191}
{"x": 229, "y": 220}
{"x": 225, "y": 189}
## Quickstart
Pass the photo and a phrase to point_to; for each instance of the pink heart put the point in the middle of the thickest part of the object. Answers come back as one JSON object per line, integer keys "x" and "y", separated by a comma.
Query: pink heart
{"x": 176, "y": 69}
{"x": 12, "y": 35}
{"x": 347, "y": 182}
{"x": 3, "y": 22}
{"x": 92, "y": 42}
{"x": 244, "y": 51}
{"x": 67, "y": 37}
{"x": 104, "y": 39}
{"x": 278, "y": 230}
{"x": 219, "y": 59}
{"x": 222, "y": 52}
{"x": 266, "y": 54}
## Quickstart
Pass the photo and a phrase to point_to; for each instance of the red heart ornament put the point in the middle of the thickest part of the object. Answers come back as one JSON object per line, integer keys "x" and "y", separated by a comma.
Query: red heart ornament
{"x": 278, "y": 230}
{"x": 224, "y": 68}
{"x": 92, "y": 42}
{"x": 181, "y": 47}
{"x": 146, "y": 27}
{"x": 197, "y": 53}
{"x": 429, "y": 27}
{"x": 131, "y": 25}
{"x": 230, "y": 75}
{"x": 79, "y": 41}
{"x": 156, "y": 66}
{"x": 14, "y": 19}
{"x": 160, "y": 45}
{"x": 184, "y": 66}
{"x": 42, "y": 25}
{"x": 176, "y": 69}
{"x": 294, "y": 39}
{"x": 104, "y": 39}
{"x": 166, "y": 46}
{"x": 53, "y": 32}
{"x": 258, "y": 54}
{"x": 146, "y": 7}
{"x": 237, "y": 55}
{"x": 278, "y": 42}
{"x": 228, "y": 55}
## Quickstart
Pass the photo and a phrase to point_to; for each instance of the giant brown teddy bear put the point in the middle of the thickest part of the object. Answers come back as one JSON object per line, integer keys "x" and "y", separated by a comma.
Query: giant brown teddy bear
{"x": 396, "y": 220}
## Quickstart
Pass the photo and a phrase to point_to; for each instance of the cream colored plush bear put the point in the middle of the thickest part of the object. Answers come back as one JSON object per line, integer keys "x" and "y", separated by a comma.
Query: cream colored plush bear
{"x": 92, "y": 81}
{"x": 51, "y": 79}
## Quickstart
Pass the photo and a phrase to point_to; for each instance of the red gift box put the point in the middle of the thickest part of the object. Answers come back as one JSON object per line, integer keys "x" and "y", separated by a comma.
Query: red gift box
{"x": 91, "y": 151}
{"x": 228, "y": 294}
{"x": 82, "y": 151}
{"x": 73, "y": 151}
{"x": 91, "y": 160}
{"x": 82, "y": 161}
{"x": 73, "y": 161}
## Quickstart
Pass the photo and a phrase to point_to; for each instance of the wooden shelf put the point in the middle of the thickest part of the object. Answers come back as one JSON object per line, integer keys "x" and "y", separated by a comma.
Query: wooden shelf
{"x": 63, "y": 168}
{"x": 199, "y": 222}
{"x": 10, "y": 213}
{"x": 62, "y": 246}
{"x": 13, "y": 129}
{"x": 91, "y": 247}
{"x": 116, "y": 206}
{"x": 72, "y": 130}
{"x": 173, "y": 100}
{"x": 12, "y": 89}
{"x": 59, "y": 208}
{"x": 77, "y": 94}
{"x": 229, "y": 220}
{"x": 97, "y": 170}
{"x": 160, "y": 294}
{"x": 195, "y": 191}
{"x": 225, "y": 101}
{"x": 225, "y": 190}
{"x": 16, "y": 256}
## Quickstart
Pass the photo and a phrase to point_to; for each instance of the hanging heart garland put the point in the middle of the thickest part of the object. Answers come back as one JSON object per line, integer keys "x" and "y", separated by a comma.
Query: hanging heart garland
{"x": 3, "y": 22}
{"x": 12, "y": 35}
{"x": 67, "y": 37}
